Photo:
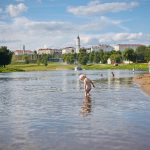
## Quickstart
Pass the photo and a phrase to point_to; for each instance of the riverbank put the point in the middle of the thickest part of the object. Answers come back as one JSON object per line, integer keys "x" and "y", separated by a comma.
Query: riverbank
{"x": 63, "y": 66}
{"x": 144, "y": 82}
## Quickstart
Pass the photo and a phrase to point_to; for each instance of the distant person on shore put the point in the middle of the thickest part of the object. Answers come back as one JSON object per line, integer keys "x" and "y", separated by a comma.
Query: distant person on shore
{"x": 113, "y": 74}
{"x": 87, "y": 84}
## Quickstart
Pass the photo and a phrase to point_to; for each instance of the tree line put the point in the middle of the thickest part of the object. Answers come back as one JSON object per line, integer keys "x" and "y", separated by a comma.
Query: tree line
{"x": 141, "y": 54}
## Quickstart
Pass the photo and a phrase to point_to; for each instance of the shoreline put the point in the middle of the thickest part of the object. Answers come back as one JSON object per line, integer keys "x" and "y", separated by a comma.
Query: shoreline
{"x": 144, "y": 82}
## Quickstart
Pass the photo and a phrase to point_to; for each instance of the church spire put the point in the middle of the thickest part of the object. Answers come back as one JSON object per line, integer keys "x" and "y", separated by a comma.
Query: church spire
{"x": 77, "y": 44}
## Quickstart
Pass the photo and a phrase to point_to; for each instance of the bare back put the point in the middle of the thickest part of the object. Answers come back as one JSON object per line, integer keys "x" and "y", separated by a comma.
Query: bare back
{"x": 87, "y": 84}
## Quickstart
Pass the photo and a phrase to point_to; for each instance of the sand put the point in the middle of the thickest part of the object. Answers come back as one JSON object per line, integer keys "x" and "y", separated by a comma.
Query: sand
{"x": 144, "y": 82}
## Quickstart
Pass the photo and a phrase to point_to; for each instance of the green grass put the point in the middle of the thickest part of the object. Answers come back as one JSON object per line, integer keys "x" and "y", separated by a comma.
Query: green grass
{"x": 120, "y": 66}
{"x": 41, "y": 67}
{"x": 10, "y": 69}
{"x": 62, "y": 66}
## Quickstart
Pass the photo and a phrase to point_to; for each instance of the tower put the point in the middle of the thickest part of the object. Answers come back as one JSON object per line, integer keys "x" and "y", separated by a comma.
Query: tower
{"x": 78, "y": 44}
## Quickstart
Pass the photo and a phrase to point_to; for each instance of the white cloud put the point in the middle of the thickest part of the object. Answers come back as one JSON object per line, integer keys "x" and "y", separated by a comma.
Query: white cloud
{"x": 35, "y": 34}
{"x": 121, "y": 37}
{"x": 103, "y": 23}
{"x": 58, "y": 34}
{"x": 97, "y": 7}
{"x": 114, "y": 38}
{"x": 53, "y": 33}
{"x": 42, "y": 26}
{"x": 16, "y": 10}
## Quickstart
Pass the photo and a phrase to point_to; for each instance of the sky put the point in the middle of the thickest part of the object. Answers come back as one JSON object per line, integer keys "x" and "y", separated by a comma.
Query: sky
{"x": 57, "y": 23}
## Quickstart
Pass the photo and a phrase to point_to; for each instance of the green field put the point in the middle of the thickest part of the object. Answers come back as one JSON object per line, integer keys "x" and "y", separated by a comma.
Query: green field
{"x": 62, "y": 66}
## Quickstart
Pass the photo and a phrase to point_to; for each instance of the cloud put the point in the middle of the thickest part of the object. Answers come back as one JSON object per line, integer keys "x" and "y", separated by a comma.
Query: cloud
{"x": 35, "y": 34}
{"x": 16, "y": 10}
{"x": 115, "y": 38}
{"x": 96, "y": 7}
{"x": 42, "y": 26}
{"x": 122, "y": 37}
{"x": 50, "y": 32}
{"x": 103, "y": 23}
{"x": 59, "y": 34}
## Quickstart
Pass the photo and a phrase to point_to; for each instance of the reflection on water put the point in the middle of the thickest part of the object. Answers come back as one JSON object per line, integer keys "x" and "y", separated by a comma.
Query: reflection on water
{"x": 87, "y": 106}
{"x": 38, "y": 110}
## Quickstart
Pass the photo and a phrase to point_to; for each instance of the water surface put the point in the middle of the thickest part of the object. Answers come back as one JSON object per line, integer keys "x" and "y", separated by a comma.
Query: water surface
{"x": 47, "y": 110}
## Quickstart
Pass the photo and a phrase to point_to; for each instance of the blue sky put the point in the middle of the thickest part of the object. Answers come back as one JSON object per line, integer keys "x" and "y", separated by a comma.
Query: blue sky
{"x": 57, "y": 23}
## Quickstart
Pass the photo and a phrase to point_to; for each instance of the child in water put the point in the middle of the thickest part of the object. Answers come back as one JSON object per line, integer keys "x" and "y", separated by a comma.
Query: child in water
{"x": 87, "y": 84}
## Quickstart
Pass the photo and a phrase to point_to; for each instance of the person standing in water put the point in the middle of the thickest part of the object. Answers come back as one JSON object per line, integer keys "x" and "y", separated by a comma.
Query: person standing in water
{"x": 87, "y": 84}
{"x": 113, "y": 75}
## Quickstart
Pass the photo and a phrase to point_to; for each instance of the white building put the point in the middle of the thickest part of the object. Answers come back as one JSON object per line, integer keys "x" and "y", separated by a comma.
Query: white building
{"x": 122, "y": 47}
{"x": 67, "y": 50}
{"x": 46, "y": 51}
{"x": 109, "y": 61}
{"x": 103, "y": 47}
{"x": 23, "y": 52}
{"x": 78, "y": 44}
{"x": 49, "y": 51}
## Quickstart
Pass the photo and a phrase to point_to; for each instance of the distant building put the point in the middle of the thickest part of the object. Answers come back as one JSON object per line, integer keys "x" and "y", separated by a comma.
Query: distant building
{"x": 67, "y": 50}
{"x": 122, "y": 47}
{"x": 57, "y": 52}
{"x": 23, "y": 52}
{"x": 103, "y": 47}
{"x": 45, "y": 51}
{"x": 49, "y": 51}
{"x": 109, "y": 61}
{"x": 88, "y": 50}
{"x": 78, "y": 44}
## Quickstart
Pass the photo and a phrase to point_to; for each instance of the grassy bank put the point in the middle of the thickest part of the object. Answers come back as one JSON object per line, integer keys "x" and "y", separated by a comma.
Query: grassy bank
{"x": 35, "y": 67}
{"x": 62, "y": 66}
{"x": 140, "y": 66}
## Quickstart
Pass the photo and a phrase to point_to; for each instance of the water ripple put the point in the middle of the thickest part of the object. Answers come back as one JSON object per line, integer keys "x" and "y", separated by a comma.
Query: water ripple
{"x": 47, "y": 110}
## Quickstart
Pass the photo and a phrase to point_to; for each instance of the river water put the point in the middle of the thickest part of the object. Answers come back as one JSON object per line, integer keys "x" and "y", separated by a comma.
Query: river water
{"x": 48, "y": 111}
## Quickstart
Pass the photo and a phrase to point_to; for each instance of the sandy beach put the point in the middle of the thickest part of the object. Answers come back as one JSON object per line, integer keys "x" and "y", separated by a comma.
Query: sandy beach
{"x": 144, "y": 82}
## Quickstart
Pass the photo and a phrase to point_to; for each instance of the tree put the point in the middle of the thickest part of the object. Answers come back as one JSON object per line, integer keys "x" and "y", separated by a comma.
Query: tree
{"x": 91, "y": 57}
{"x": 105, "y": 57}
{"x": 44, "y": 59}
{"x": 5, "y": 56}
{"x": 83, "y": 57}
{"x": 96, "y": 57}
{"x": 147, "y": 54}
{"x": 116, "y": 58}
{"x": 101, "y": 55}
{"x": 26, "y": 59}
{"x": 140, "y": 53}
{"x": 129, "y": 54}
{"x": 70, "y": 59}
